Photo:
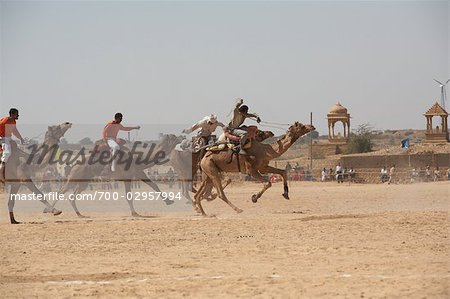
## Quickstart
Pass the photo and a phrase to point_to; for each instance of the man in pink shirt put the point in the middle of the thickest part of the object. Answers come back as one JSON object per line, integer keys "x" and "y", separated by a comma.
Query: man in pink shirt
{"x": 110, "y": 132}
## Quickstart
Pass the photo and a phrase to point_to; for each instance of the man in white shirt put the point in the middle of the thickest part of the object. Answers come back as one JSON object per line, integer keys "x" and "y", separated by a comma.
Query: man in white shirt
{"x": 207, "y": 126}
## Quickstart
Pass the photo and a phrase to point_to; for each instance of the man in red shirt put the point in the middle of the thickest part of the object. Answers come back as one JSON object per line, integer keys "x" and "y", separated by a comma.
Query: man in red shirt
{"x": 7, "y": 129}
{"x": 110, "y": 132}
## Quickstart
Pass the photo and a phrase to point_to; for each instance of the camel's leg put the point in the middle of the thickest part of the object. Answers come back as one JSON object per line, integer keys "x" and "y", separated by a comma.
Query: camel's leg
{"x": 218, "y": 184}
{"x": 35, "y": 190}
{"x": 64, "y": 188}
{"x": 267, "y": 184}
{"x": 130, "y": 199}
{"x": 208, "y": 194}
{"x": 195, "y": 167}
{"x": 154, "y": 186}
{"x": 81, "y": 186}
{"x": 227, "y": 182}
{"x": 198, "y": 196}
{"x": 150, "y": 183}
{"x": 211, "y": 170}
{"x": 283, "y": 174}
{"x": 216, "y": 180}
{"x": 11, "y": 202}
{"x": 185, "y": 187}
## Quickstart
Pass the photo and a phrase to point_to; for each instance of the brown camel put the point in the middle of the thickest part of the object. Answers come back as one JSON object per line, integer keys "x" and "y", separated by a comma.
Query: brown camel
{"x": 187, "y": 164}
{"x": 255, "y": 163}
{"x": 21, "y": 166}
{"x": 82, "y": 174}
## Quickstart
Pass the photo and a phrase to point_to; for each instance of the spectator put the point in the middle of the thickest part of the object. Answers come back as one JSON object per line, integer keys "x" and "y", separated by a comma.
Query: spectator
{"x": 288, "y": 167}
{"x": 448, "y": 174}
{"x": 288, "y": 170}
{"x": 324, "y": 174}
{"x": 437, "y": 174}
{"x": 384, "y": 175}
{"x": 171, "y": 174}
{"x": 352, "y": 174}
{"x": 391, "y": 174}
{"x": 428, "y": 173}
{"x": 414, "y": 175}
{"x": 339, "y": 174}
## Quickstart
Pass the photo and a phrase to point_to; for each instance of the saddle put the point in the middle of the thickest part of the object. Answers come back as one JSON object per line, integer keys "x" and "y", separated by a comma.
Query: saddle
{"x": 199, "y": 142}
{"x": 229, "y": 146}
{"x": 228, "y": 141}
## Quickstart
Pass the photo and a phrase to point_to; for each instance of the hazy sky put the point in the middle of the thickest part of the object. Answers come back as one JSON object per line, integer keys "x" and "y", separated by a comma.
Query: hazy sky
{"x": 175, "y": 62}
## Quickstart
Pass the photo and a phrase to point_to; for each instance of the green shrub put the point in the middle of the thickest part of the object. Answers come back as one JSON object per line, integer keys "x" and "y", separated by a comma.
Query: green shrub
{"x": 360, "y": 140}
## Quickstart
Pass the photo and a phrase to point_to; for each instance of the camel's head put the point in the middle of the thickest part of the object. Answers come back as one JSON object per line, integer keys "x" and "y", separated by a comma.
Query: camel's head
{"x": 298, "y": 129}
{"x": 54, "y": 133}
{"x": 263, "y": 135}
{"x": 169, "y": 141}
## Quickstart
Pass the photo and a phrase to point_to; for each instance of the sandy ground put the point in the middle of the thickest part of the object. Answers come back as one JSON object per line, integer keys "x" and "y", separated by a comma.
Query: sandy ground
{"x": 329, "y": 240}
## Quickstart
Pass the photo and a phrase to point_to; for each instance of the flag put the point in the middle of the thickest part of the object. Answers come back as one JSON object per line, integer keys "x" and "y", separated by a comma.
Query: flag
{"x": 405, "y": 143}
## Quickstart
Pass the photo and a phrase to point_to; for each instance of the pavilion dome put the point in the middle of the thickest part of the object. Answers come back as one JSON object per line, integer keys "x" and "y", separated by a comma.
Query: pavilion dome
{"x": 338, "y": 109}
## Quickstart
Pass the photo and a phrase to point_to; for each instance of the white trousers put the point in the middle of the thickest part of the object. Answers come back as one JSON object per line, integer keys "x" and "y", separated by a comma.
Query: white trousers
{"x": 6, "y": 147}
{"x": 114, "y": 147}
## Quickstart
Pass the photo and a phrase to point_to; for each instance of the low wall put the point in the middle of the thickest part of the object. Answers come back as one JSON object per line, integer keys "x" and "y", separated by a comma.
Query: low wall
{"x": 441, "y": 160}
{"x": 368, "y": 167}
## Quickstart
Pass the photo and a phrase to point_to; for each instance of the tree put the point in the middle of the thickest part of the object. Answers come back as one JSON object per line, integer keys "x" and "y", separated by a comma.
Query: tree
{"x": 86, "y": 141}
{"x": 314, "y": 134}
{"x": 361, "y": 140}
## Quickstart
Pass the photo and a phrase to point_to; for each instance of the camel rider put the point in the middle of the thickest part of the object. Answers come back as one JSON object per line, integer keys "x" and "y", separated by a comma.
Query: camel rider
{"x": 110, "y": 132}
{"x": 207, "y": 126}
{"x": 240, "y": 113}
{"x": 7, "y": 129}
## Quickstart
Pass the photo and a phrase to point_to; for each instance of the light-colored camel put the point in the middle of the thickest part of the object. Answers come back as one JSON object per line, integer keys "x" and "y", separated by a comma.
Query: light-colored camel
{"x": 255, "y": 163}
{"x": 82, "y": 174}
{"x": 21, "y": 167}
{"x": 187, "y": 163}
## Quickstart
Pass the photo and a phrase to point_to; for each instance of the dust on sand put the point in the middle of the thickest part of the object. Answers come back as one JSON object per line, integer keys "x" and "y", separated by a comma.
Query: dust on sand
{"x": 327, "y": 241}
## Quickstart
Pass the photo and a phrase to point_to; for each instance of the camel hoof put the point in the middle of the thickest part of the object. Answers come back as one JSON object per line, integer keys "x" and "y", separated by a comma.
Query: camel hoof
{"x": 286, "y": 196}
{"x": 13, "y": 221}
{"x": 169, "y": 202}
{"x": 82, "y": 216}
{"x": 56, "y": 212}
{"x": 255, "y": 198}
{"x": 239, "y": 211}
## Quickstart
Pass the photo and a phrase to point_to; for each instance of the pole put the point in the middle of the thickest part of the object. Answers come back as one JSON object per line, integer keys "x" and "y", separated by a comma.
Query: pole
{"x": 310, "y": 147}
